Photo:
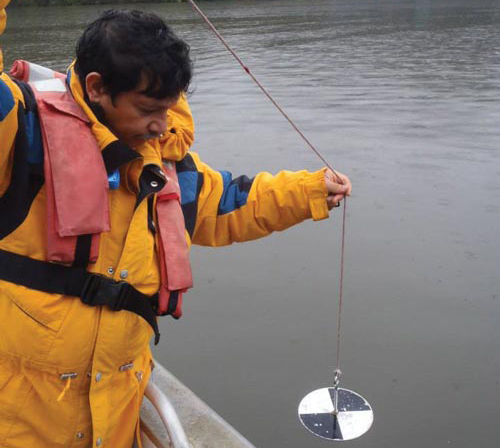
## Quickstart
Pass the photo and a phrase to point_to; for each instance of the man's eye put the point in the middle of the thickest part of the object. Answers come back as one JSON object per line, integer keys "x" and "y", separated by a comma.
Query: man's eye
{"x": 146, "y": 111}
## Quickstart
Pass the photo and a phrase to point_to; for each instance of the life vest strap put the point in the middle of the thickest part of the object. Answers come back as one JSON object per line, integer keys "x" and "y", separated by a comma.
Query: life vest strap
{"x": 92, "y": 289}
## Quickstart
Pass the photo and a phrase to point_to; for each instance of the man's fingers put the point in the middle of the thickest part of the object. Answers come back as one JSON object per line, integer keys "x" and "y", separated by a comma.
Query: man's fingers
{"x": 338, "y": 197}
{"x": 338, "y": 187}
{"x": 344, "y": 180}
{"x": 338, "y": 179}
{"x": 332, "y": 204}
{"x": 334, "y": 201}
{"x": 335, "y": 188}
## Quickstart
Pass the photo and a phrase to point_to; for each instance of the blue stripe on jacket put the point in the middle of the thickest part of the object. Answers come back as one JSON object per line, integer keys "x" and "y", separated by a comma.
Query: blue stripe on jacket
{"x": 33, "y": 133}
{"x": 188, "y": 181}
{"x": 6, "y": 100}
{"x": 235, "y": 193}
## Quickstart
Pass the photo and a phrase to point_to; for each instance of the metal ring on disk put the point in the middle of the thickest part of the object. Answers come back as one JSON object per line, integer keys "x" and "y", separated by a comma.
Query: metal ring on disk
{"x": 351, "y": 418}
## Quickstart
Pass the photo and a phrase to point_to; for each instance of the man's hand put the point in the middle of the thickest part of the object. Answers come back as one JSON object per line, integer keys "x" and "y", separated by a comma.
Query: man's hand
{"x": 338, "y": 186}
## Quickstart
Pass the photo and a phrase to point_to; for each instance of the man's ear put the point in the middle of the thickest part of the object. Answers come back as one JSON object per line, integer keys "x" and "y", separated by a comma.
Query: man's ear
{"x": 94, "y": 87}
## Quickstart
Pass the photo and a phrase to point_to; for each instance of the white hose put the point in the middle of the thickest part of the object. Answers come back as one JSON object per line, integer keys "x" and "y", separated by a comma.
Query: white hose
{"x": 168, "y": 415}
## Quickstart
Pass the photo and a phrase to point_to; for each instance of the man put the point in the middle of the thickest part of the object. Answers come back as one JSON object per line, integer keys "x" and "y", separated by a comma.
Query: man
{"x": 100, "y": 200}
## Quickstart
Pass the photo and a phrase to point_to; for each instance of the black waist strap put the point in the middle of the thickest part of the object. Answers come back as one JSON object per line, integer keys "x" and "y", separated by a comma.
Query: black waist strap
{"x": 92, "y": 289}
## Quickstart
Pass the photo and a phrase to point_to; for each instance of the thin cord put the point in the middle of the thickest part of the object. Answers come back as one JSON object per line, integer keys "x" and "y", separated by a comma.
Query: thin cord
{"x": 341, "y": 287}
{"x": 261, "y": 87}
{"x": 311, "y": 146}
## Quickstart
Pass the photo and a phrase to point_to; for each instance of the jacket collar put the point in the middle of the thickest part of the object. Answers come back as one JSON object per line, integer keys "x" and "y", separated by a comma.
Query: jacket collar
{"x": 115, "y": 152}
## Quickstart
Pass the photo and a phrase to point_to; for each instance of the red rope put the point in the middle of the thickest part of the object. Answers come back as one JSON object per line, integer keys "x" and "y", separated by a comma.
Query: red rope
{"x": 280, "y": 109}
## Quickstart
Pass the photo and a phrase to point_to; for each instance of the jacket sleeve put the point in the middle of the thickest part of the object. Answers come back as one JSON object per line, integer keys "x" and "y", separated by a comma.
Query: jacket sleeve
{"x": 220, "y": 210}
{"x": 179, "y": 137}
{"x": 10, "y": 97}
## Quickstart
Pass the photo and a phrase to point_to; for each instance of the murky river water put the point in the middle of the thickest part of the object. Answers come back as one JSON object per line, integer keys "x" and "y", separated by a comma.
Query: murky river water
{"x": 404, "y": 97}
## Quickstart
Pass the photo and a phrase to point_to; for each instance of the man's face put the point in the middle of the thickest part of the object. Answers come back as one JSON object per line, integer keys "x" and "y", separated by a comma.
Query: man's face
{"x": 133, "y": 117}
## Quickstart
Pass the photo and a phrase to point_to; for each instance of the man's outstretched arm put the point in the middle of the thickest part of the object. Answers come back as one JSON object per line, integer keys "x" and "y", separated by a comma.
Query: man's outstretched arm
{"x": 220, "y": 210}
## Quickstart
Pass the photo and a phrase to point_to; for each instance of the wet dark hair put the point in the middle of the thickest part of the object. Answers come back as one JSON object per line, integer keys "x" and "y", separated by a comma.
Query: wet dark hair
{"x": 123, "y": 45}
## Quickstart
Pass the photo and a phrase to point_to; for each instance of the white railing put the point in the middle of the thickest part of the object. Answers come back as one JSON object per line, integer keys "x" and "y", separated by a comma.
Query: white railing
{"x": 170, "y": 419}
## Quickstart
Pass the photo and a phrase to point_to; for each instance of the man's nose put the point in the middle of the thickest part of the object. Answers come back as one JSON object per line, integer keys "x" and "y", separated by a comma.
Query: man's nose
{"x": 158, "y": 125}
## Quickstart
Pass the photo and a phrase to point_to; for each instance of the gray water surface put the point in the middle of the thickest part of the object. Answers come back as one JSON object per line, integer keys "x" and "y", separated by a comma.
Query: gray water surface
{"x": 404, "y": 96}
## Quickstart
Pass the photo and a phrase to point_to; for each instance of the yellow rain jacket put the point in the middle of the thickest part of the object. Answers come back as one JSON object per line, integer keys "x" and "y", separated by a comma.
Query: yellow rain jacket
{"x": 72, "y": 375}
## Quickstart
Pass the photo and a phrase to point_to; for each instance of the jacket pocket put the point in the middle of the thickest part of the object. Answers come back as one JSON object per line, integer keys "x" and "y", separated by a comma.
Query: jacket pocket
{"x": 46, "y": 309}
{"x": 30, "y": 321}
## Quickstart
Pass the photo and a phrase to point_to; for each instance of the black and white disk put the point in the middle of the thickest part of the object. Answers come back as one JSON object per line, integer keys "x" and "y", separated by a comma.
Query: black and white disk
{"x": 350, "y": 418}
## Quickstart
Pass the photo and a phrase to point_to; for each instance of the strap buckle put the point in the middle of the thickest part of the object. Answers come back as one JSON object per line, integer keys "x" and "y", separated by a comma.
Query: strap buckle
{"x": 100, "y": 290}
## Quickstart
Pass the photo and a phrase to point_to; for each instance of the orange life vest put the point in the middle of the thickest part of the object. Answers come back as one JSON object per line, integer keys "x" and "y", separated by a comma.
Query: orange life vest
{"x": 77, "y": 206}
